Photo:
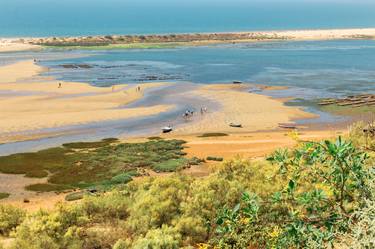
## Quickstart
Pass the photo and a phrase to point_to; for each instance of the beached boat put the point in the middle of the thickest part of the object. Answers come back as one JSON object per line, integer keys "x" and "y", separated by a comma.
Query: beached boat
{"x": 287, "y": 126}
{"x": 167, "y": 129}
{"x": 235, "y": 125}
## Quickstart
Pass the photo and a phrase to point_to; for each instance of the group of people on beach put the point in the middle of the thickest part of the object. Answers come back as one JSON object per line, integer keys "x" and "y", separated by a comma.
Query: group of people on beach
{"x": 190, "y": 113}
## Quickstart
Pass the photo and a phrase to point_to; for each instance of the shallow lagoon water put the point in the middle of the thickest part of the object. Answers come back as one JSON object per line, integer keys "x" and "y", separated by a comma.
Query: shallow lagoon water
{"x": 311, "y": 70}
{"x": 328, "y": 68}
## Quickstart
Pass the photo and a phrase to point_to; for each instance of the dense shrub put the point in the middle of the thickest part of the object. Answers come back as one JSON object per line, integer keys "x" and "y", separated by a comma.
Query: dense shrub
{"x": 162, "y": 238}
{"x": 314, "y": 196}
{"x": 10, "y": 218}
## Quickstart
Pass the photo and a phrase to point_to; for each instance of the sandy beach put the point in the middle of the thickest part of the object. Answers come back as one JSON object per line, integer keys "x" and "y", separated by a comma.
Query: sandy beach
{"x": 254, "y": 112}
{"x": 35, "y": 105}
{"x": 29, "y": 105}
{"x": 14, "y": 45}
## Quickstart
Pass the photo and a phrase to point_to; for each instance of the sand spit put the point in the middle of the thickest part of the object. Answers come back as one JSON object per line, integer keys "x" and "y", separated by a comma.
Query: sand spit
{"x": 186, "y": 39}
{"x": 37, "y": 105}
{"x": 14, "y": 45}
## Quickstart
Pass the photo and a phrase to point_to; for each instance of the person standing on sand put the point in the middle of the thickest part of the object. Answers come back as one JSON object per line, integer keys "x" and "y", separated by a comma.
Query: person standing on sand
{"x": 60, "y": 85}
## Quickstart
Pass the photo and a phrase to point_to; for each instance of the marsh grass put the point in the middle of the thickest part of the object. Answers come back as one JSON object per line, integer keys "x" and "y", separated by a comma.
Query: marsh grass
{"x": 116, "y": 46}
{"x": 46, "y": 187}
{"x": 348, "y": 110}
{"x": 170, "y": 165}
{"x": 104, "y": 163}
{"x": 214, "y": 134}
{"x": 4, "y": 195}
{"x": 90, "y": 145}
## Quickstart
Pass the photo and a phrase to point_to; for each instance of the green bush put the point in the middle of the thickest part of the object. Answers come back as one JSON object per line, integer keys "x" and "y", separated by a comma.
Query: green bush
{"x": 75, "y": 196}
{"x": 121, "y": 244}
{"x": 10, "y": 218}
{"x": 170, "y": 165}
{"x": 213, "y": 158}
{"x": 121, "y": 178}
{"x": 161, "y": 238}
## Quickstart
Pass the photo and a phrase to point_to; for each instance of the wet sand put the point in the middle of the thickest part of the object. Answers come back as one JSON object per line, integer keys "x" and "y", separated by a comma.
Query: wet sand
{"x": 253, "y": 111}
{"x": 36, "y": 105}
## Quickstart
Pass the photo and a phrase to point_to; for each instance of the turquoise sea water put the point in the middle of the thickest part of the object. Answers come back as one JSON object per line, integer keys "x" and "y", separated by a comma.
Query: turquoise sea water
{"x": 97, "y": 17}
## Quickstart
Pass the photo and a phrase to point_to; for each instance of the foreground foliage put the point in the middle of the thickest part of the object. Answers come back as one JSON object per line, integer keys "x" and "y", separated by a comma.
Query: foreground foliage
{"x": 319, "y": 195}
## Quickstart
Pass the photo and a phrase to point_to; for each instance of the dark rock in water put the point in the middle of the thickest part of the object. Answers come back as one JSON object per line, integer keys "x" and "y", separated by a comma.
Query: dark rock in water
{"x": 159, "y": 77}
{"x": 108, "y": 78}
{"x": 76, "y": 66}
{"x": 255, "y": 90}
{"x": 237, "y": 82}
{"x": 151, "y": 77}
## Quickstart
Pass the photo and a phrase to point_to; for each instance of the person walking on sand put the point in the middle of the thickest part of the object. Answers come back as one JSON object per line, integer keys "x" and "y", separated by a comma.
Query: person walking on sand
{"x": 60, "y": 85}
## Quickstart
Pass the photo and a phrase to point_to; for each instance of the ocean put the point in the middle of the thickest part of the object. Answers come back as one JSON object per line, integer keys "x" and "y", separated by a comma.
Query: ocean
{"x": 36, "y": 18}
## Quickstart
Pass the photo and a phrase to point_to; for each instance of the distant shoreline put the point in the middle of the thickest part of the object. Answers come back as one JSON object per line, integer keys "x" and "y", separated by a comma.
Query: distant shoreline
{"x": 190, "y": 39}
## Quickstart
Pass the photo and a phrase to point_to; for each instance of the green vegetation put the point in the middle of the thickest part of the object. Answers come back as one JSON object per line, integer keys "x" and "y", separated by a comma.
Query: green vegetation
{"x": 75, "y": 196}
{"x": 317, "y": 195}
{"x": 213, "y": 134}
{"x": 154, "y": 138}
{"x": 10, "y": 218}
{"x": 213, "y": 158}
{"x": 104, "y": 163}
{"x": 119, "y": 46}
{"x": 47, "y": 187}
{"x": 4, "y": 195}
{"x": 347, "y": 110}
{"x": 364, "y": 140}
{"x": 90, "y": 145}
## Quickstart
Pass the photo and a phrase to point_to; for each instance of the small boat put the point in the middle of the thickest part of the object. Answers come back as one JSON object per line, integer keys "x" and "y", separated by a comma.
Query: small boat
{"x": 235, "y": 125}
{"x": 167, "y": 129}
{"x": 287, "y": 126}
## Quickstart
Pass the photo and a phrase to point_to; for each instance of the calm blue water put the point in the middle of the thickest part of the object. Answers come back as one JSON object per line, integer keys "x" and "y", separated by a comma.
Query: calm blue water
{"x": 96, "y": 17}
{"x": 313, "y": 69}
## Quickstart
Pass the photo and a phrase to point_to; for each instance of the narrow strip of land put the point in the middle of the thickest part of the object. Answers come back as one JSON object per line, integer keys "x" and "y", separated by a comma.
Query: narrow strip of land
{"x": 171, "y": 40}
